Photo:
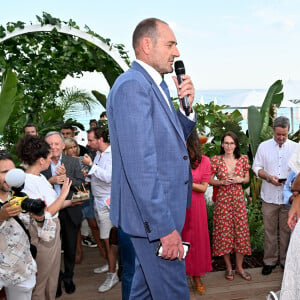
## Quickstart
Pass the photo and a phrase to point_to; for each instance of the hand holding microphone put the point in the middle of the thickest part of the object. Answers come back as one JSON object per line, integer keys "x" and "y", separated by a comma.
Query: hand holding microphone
{"x": 185, "y": 87}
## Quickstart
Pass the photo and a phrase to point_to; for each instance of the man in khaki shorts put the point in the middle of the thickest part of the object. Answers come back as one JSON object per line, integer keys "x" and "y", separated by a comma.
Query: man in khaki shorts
{"x": 100, "y": 174}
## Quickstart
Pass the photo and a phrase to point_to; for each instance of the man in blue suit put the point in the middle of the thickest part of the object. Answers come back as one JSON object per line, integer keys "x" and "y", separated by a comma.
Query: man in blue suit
{"x": 151, "y": 178}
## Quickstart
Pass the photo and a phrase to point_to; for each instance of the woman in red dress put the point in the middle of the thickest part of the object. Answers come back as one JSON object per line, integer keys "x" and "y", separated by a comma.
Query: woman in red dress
{"x": 195, "y": 230}
{"x": 230, "y": 223}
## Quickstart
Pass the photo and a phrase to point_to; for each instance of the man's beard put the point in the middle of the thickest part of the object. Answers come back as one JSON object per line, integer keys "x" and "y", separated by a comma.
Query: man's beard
{"x": 5, "y": 189}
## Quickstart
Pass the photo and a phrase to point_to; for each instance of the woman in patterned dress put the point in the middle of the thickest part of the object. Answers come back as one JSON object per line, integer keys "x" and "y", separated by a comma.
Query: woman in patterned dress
{"x": 230, "y": 223}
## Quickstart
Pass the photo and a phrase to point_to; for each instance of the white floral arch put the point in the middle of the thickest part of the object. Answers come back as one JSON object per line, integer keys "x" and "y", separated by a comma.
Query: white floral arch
{"x": 113, "y": 53}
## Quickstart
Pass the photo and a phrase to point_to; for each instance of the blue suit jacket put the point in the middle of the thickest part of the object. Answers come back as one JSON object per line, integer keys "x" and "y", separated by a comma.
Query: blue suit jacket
{"x": 151, "y": 178}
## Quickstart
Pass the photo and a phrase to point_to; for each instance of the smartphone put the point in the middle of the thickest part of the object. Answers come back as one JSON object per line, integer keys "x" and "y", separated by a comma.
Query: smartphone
{"x": 186, "y": 248}
{"x": 281, "y": 180}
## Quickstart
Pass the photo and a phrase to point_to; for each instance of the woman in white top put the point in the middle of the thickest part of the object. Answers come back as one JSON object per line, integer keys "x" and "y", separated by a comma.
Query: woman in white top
{"x": 35, "y": 152}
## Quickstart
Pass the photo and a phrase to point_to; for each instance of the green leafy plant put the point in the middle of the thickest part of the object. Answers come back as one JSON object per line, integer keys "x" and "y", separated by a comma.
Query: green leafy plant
{"x": 214, "y": 122}
{"x": 256, "y": 226}
{"x": 42, "y": 60}
{"x": 100, "y": 97}
{"x": 260, "y": 128}
{"x": 210, "y": 214}
{"x": 8, "y": 96}
{"x": 260, "y": 121}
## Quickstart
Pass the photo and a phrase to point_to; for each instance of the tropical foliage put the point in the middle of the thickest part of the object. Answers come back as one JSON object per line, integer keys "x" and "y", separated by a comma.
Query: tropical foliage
{"x": 7, "y": 97}
{"x": 214, "y": 122}
{"x": 256, "y": 225}
{"x": 260, "y": 129}
{"x": 260, "y": 121}
{"x": 42, "y": 60}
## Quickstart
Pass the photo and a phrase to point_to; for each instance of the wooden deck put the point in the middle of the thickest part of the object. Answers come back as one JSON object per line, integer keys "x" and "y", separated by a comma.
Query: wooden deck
{"x": 218, "y": 287}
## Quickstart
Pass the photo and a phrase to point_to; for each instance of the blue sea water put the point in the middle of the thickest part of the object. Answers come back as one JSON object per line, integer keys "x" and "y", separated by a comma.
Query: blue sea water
{"x": 237, "y": 98}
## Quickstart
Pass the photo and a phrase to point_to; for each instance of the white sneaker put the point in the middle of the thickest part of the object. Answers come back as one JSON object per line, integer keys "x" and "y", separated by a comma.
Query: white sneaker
{"x": 101, "y": 269}
{"x": 104, "y": 269}
{"x": 110, "y": 281}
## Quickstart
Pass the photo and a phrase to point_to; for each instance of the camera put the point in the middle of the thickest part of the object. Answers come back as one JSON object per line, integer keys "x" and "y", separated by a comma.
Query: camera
{"x": 35, "y": 206}
{"x": 16, "y": 178}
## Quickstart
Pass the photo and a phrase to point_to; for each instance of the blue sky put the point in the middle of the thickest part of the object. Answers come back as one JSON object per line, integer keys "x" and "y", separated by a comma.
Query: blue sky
{"x": 228, "y": 44}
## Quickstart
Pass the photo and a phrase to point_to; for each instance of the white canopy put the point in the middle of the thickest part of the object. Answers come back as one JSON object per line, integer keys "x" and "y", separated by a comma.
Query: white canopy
{"x": 257, "y": 98}
{"x": 291, "y": 90}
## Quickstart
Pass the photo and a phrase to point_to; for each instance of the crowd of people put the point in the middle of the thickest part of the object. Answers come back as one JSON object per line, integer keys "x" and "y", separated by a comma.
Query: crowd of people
{"x": 145, "y": 178}
{"x": 54, "y": 172}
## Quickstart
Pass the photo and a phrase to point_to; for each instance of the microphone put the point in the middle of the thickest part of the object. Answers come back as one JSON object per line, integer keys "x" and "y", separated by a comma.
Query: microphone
{"x": 180, "y": 70}
{"x": 15, "y": 178}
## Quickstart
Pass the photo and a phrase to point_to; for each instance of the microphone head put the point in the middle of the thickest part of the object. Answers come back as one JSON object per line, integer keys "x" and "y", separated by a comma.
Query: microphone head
{"x": 179, "y": 67}
{"x": 15, "y": 177}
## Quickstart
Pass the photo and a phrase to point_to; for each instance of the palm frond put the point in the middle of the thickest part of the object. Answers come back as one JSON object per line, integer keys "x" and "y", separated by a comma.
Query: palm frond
{"x": 73, "y": 100}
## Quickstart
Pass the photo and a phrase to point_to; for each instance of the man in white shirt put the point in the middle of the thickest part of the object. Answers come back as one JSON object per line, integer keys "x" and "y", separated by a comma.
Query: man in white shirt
{"x": 271, "y": 165}
{"x": 100, "y": 173}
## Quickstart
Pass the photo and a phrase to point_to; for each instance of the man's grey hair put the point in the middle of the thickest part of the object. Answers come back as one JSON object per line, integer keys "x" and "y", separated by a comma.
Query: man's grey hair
{"x": 50, "y": 133}
{"x": 282, "y": 122}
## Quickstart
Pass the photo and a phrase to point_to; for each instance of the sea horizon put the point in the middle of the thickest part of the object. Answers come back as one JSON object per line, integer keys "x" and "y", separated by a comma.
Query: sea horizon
{"x": 235, "y": 98}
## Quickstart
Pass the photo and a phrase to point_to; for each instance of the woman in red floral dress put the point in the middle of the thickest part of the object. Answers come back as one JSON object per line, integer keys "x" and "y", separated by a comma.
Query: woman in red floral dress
{"x": 195, "y": 230}
{"x": 230, "y": 223}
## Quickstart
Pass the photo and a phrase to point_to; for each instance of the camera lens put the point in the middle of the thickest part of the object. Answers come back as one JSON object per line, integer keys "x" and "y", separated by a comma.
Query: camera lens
{"x": 34, "y": 206}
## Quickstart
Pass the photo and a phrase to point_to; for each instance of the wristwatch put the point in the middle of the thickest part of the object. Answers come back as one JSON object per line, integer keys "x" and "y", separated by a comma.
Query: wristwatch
{"x": 90, "y": 164}
{"x": 268, "y": 178}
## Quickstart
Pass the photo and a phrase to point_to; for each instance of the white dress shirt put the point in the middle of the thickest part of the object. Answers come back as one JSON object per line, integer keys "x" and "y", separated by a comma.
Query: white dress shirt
{"x": 101, "y": 177}
{"x": 274, "y": 160}
{"x": 56, "y": 187}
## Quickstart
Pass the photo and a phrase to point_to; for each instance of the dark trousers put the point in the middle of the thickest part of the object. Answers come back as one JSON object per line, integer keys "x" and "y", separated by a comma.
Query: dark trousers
{"x": 127, "y": 256}
{"x": 69, "y": 240}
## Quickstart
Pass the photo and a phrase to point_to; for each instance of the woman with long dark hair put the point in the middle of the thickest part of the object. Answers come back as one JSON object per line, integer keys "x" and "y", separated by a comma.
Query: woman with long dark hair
{"x": 229, "y": 171}
{"x": 195, "y": 230}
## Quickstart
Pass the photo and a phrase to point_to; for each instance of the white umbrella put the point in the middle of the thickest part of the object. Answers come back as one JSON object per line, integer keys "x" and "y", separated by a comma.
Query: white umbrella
{"x": 291, "y": 89}
{"x": 248, "y": 98}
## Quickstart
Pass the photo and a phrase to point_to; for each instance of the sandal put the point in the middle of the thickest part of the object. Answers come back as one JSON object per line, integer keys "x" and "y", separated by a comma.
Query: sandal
{"x": 229, "y": 275}
{"x": 245, "y": 275}
{"x": 200, "y": 289}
